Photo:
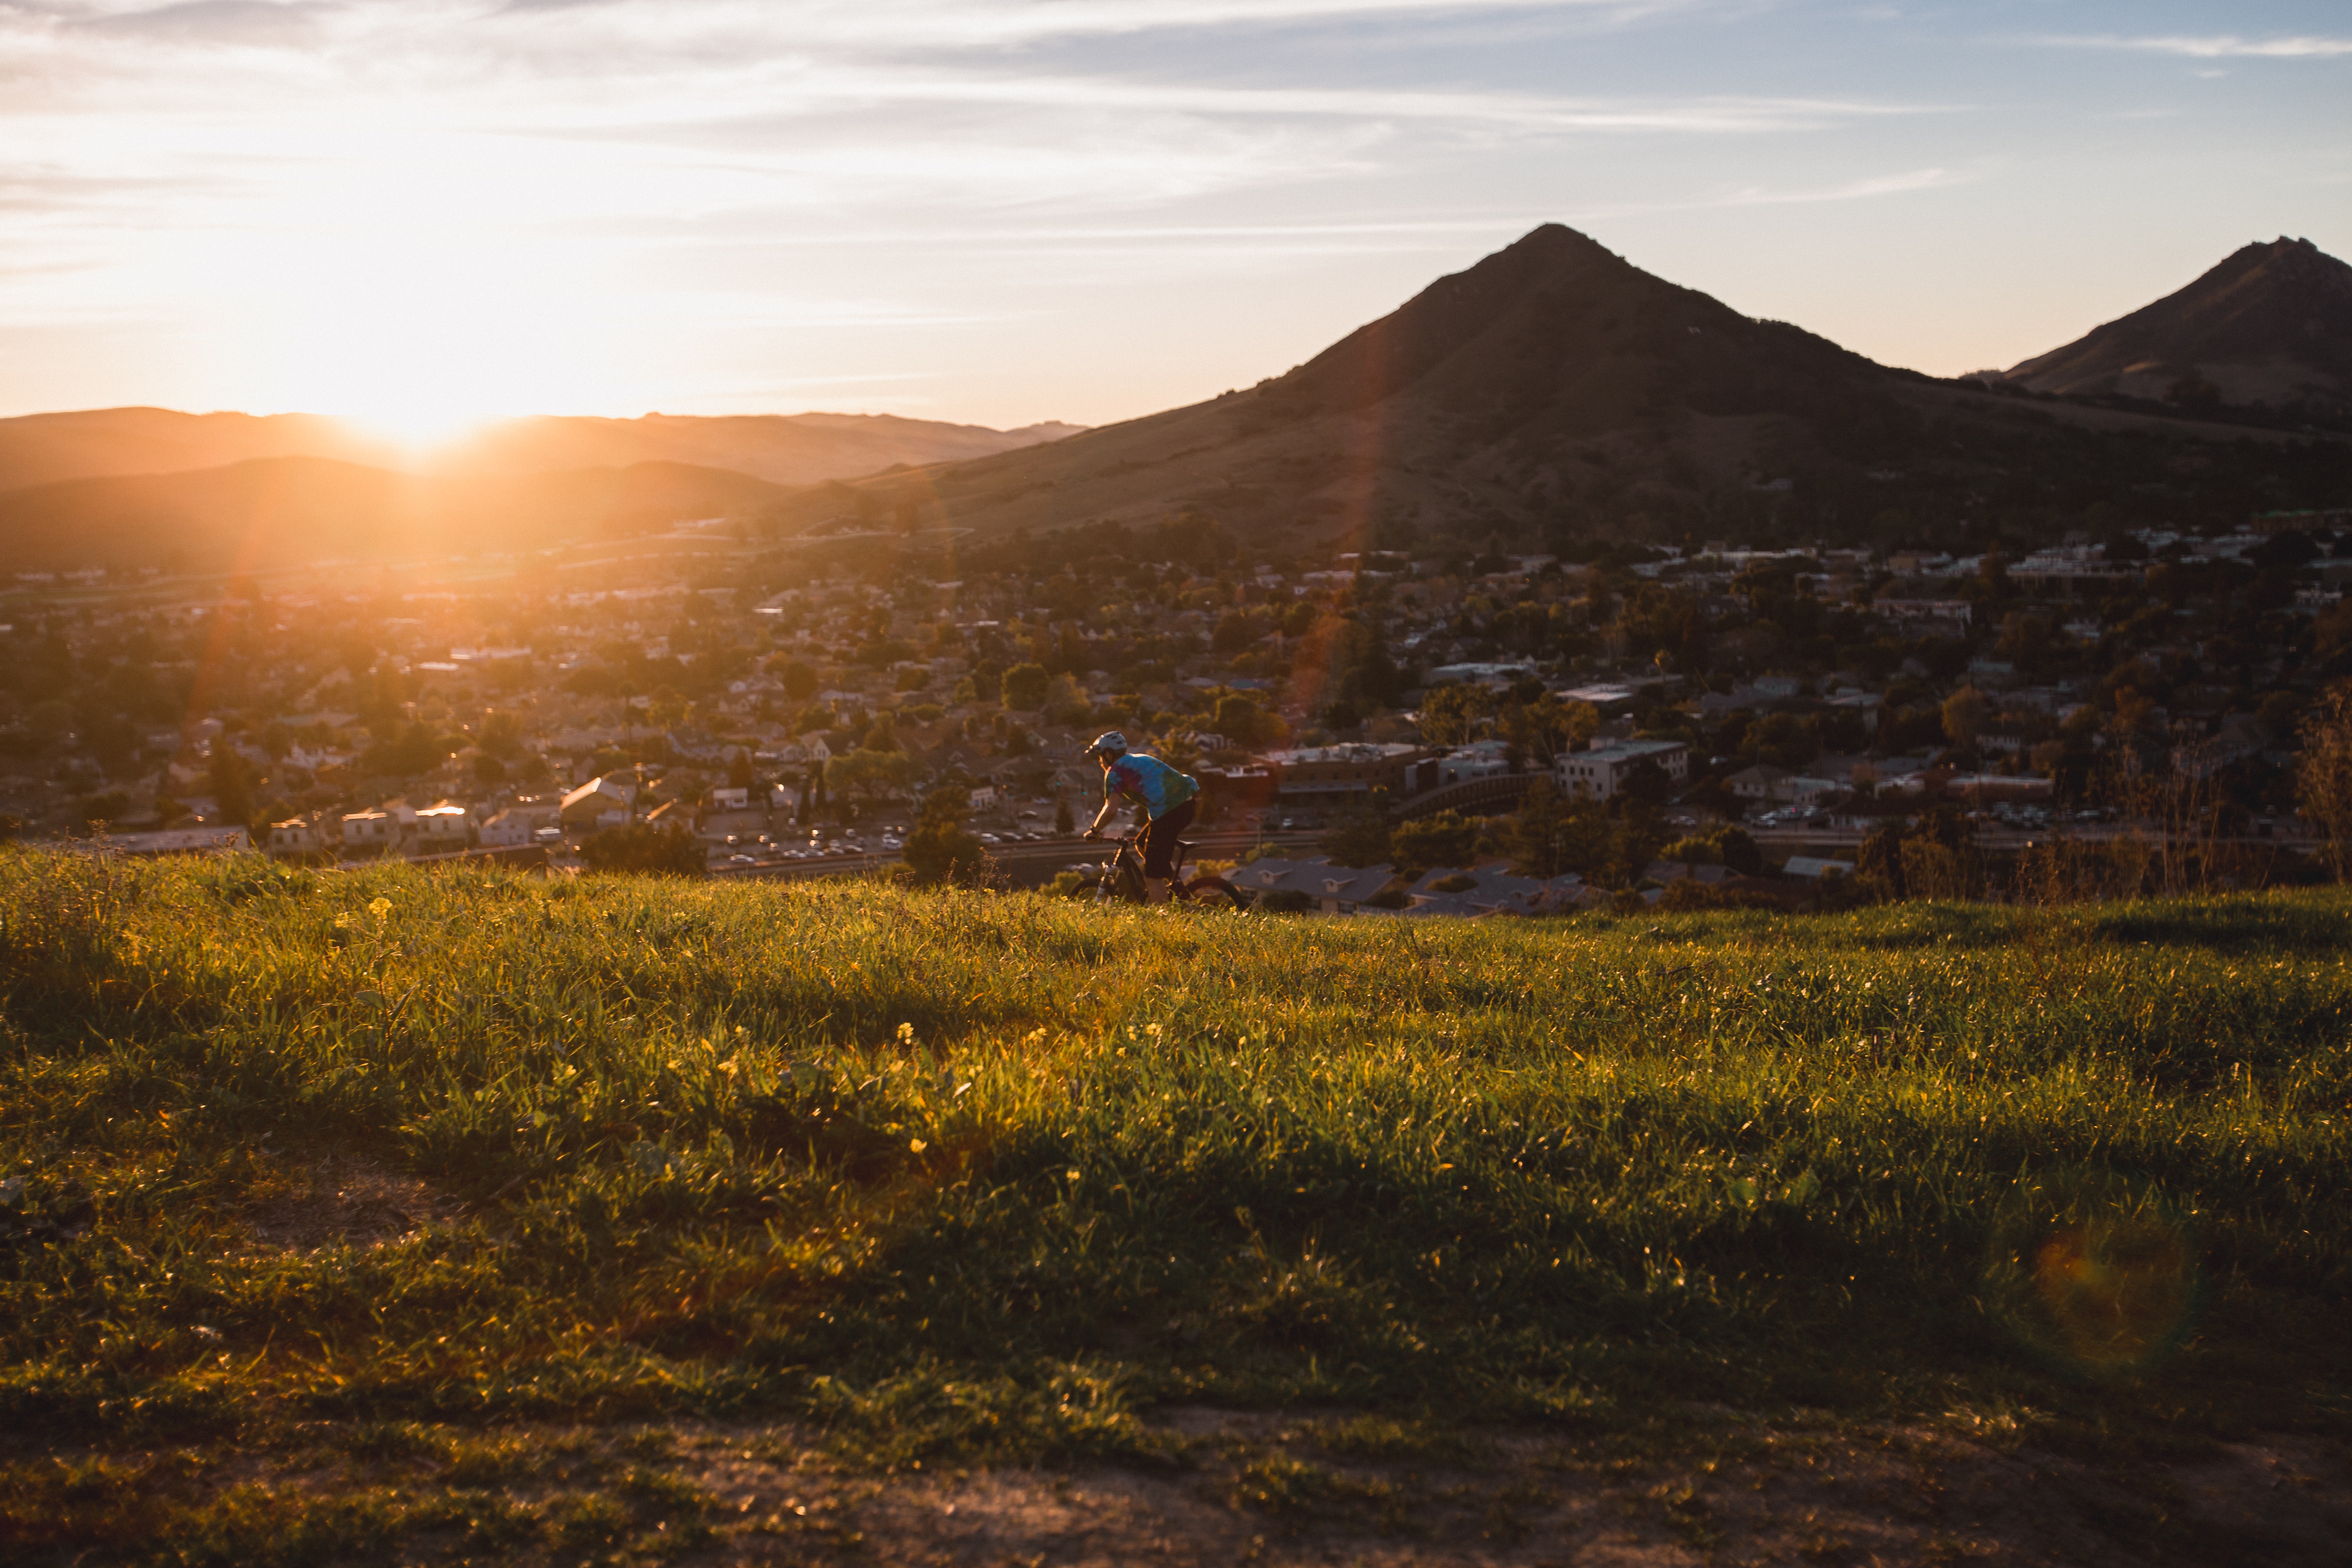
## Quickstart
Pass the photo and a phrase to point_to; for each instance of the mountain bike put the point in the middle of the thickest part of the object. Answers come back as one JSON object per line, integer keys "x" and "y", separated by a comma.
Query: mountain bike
{"x": 1122, "y": 878}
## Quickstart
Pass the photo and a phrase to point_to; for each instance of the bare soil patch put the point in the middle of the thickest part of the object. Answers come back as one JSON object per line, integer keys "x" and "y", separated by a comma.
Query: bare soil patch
{"x": 1260, "y": 1487}
{"x": 347, "y": 1199}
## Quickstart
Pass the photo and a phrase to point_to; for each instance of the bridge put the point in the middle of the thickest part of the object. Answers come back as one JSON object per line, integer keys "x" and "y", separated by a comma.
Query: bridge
{"x": 1481, "y": 798}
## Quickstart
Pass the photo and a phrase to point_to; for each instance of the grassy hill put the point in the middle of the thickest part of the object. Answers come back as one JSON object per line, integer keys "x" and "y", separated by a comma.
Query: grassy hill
{"x": 313, "y": 1159}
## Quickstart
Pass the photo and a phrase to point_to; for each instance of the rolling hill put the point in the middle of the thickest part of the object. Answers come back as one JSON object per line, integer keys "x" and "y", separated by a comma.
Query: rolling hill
{"x": 783, "y": 448}
{"x": 283, "y": 512}
{"x": 2271, "y": 324}
{"x": 151, "y": 487}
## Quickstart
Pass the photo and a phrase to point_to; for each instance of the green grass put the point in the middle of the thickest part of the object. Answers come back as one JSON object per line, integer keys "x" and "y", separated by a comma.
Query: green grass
{"x": 953, "y": 1176}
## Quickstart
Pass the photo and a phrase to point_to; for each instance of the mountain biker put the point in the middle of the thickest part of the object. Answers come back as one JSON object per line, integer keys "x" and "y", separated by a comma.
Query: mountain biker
{"x": 1167, "y": 798}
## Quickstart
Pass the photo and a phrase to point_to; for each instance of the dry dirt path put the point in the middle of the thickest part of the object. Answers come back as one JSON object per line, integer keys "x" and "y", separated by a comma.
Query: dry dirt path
{"x": 1711, "y": 1487}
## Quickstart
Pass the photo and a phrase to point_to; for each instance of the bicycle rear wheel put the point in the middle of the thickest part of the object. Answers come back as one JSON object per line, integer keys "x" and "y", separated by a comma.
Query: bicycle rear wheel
{"x": 1214, "y": 892}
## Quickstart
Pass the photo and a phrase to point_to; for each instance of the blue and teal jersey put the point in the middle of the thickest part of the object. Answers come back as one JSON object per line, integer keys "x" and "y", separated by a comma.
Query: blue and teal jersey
{"x": 1159, "y": 787}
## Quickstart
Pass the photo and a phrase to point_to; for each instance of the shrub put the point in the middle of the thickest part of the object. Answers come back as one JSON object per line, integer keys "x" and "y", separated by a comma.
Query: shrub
{"x": 646, "y": 851}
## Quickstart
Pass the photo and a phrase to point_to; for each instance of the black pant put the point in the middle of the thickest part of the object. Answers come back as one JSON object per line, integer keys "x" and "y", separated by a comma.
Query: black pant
{"x": 1158, "y": 839}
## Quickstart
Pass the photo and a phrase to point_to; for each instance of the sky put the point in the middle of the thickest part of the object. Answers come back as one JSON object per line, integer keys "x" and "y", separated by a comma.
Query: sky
{"x": 425, "y": 212}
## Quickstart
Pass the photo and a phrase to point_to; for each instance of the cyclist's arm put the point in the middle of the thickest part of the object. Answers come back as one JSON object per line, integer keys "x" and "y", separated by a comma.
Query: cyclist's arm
{"x": 1110, "y": 804}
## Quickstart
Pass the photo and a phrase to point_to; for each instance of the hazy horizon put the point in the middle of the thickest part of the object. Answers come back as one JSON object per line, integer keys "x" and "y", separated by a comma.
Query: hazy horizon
{"x": 1003, "y": 211}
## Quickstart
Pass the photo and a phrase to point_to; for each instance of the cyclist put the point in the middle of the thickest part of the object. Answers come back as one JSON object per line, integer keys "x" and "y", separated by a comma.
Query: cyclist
{"x": 1166, "y": 796}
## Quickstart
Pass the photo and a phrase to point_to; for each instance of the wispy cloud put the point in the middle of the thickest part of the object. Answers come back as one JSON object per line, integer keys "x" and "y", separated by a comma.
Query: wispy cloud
{"x": 2219, "y": 46}
{"x": 1852, "y": 190}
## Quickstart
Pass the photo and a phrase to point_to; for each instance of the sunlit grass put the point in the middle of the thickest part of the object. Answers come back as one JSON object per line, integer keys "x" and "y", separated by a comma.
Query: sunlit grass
{"x": 992, "y": 1175}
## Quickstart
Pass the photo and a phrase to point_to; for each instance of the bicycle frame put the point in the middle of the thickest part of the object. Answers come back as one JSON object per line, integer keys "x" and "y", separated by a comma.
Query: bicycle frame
{"x": 1123, "y": 879}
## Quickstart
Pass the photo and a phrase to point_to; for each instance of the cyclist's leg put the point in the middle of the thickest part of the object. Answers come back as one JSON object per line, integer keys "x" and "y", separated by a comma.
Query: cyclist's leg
{"x": 1159, "y": 846}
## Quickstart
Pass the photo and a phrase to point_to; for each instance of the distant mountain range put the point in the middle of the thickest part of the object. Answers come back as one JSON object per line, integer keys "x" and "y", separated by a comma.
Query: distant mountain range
{"x": 2271, "y": 324}
{"x": 206, "y": 492}
{"x": 783, "y": 448}
{"x": 1552, "y": 381}
{"x": 274, "y": 512}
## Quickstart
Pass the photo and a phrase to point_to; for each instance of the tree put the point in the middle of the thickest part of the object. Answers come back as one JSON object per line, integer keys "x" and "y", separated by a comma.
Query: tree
{"x": 231, "y": 782}
{"x": 1544, "y": 728}
{"x": 799, "y": 680}
{"x": 739, "y": 773}
{"x": 1064, "y": 821}
{"x": 940, "y": 849}
{"x": 1554, "y": 834}
{"x": 416, "y": 748}
{"x": 1453, "y": 715}
{"x": 642, "y": 849}
{"x": 1025, "y": 686}
{"x": 1236, "y": 631}
{"x": 1965, "y": 712}
{"x": 868, "y": 777}
{"x": 1359, "y": 838}
{"x": 2322, "y": 776}
{"x": 1241, "y": 720}
{"x": 1879, "y": 864}
{"x": 1448, "y": 839}
{"x": 1537, "y": 838}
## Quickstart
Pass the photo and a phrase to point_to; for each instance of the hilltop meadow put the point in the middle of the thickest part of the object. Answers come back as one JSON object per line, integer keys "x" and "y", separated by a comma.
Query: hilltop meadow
{"x": 417, "y": 1187}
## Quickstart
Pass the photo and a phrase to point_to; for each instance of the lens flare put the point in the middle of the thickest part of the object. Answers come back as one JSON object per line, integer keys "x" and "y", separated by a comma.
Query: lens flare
{"x": 2093, "y": 1270}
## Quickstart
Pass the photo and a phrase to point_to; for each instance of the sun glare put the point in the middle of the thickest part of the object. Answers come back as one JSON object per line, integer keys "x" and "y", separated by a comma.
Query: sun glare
{"x": 417, "y": 332}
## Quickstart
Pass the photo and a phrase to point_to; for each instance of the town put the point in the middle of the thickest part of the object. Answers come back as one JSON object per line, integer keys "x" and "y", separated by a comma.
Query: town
{"x": 1453, "y": 729}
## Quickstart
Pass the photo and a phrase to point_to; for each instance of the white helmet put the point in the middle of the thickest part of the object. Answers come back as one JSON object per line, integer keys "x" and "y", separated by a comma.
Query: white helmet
{"x": 1109, "y": 744}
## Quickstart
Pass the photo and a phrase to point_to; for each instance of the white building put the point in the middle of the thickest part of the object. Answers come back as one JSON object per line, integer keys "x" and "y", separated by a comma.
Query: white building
{"x": 442, "y": 828}
{"x": 379, "y": 828}
{"x": 301, "y": 835}
{"x": 1601, "y": 771}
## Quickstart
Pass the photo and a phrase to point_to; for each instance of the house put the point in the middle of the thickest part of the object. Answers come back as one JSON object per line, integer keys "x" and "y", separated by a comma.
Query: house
{"x": 308, "y": 835}
{"x": 383, "y": 829}
{"x": 1492, "y": 890}
{"x": 442, "y": 828}
{"x": 1762, "y": 781}
{"x": 509, "y": 829}
{"x": 984, "y": 798}
{"x": 730, "y": 797}
{"x": 1601, "y": 770}
{"x": 1926, "y": 616}
{"x": 605, "y": 802}
{"x": 1334, "y": 890}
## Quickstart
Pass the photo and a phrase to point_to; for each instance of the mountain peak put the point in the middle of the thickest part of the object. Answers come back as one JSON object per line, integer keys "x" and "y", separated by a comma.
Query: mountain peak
{"x": 2272, "y": 323}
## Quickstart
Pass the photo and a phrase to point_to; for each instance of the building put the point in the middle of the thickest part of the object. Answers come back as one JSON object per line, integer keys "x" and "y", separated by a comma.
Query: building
{"x": 1479, "y": 760}
{"x": 1601, "y": 770}
{"x": 1925, "y": 617}
{"x": 1338, "y": 775}
{"x": 607, "y": 802}
{"x": 1332, "y": 889}
{"x": 442, "y": 828}
{"x": 301, "y": 835}
{"x": 381, "y": 829}
{"x": 172, "y": 841}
